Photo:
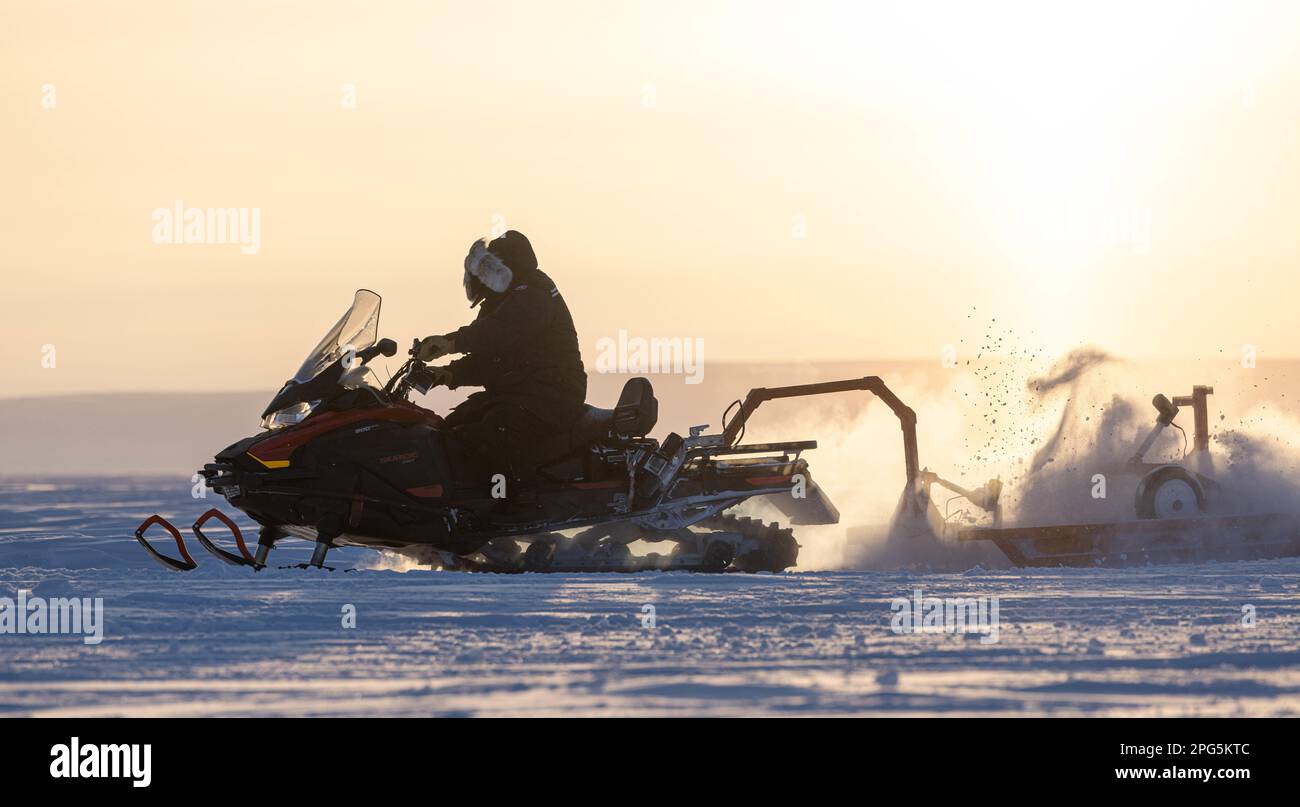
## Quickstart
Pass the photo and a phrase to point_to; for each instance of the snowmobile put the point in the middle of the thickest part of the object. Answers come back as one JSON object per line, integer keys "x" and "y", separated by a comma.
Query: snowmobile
{"x": 344, "y": 460}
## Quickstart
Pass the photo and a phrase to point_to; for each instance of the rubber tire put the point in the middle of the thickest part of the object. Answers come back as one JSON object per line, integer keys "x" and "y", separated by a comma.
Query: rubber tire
{"x": 1151, "y": 484}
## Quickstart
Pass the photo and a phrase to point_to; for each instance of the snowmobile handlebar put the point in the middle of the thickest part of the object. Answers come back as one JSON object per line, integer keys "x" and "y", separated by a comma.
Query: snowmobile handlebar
{"x": 414, "y": 374}
{"x": 873, "y": 384}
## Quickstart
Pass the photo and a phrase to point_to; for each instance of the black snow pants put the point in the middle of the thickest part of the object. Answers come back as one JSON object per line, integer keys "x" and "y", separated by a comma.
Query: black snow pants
{"x": 507, "y": 434}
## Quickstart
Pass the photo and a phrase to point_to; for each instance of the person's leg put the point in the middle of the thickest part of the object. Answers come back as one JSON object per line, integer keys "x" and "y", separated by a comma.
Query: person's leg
{"x": 509, "y": 436}
{"x": 464, "y": 438}
{"x": 515, "y": 439}
{"x": 471, "y": 410}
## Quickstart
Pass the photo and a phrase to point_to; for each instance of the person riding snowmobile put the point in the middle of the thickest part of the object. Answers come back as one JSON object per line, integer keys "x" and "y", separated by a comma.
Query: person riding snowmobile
{"x": 522, "y": 349}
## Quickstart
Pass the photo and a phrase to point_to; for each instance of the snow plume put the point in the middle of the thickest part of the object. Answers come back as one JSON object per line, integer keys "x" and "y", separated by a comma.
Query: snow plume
{"x": 1260, "y": 467}
{"x": 1105, "y": 414}
{"x": 384, "y": 560}
{"x": 1070, "y": 475}
{"x": 1069, "y": 369}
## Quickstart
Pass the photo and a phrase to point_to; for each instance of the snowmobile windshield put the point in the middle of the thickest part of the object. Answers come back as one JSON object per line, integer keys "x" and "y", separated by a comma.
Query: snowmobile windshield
{"x": 357, "y": 330}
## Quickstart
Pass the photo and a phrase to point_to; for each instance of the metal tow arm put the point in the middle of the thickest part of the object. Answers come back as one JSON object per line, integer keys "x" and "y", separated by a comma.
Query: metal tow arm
{"x": 873, "y": 384}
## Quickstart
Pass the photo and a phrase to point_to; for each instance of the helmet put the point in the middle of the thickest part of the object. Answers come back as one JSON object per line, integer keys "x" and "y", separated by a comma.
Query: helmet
{"x": 491, "y": 267}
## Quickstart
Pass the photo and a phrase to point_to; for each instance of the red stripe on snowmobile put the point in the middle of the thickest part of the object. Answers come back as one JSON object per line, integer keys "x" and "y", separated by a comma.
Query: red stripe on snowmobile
{"x": 281, "y": 446}
{"x": 767, "y": 481}
{"x": 426, "y": 491}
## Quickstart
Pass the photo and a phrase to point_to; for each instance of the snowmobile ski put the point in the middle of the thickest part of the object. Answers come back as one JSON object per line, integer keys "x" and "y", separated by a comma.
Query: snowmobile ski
{"x": 244, "y": 558}
{"x": 166, "y": 562}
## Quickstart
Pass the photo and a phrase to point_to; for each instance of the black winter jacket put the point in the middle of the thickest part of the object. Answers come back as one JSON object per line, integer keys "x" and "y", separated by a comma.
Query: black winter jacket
{"x": 522, "y": 343}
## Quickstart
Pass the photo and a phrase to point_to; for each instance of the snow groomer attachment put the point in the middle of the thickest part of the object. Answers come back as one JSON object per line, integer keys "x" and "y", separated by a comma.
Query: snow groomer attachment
{"x": 1181, "y": 514}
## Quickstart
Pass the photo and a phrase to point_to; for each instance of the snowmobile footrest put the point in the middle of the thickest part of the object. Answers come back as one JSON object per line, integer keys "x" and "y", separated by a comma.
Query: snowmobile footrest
{"x": 174, "y": 564}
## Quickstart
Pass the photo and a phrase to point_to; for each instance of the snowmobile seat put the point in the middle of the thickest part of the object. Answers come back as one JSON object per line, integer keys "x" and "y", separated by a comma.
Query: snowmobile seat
{"x": 635, "y": 414}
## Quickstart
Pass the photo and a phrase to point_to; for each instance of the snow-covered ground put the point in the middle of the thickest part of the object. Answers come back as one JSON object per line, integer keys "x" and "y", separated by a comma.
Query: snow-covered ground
{"x": 222, "y": 641}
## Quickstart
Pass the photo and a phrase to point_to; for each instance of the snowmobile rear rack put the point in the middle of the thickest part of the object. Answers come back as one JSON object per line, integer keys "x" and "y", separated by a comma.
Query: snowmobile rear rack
{"x": 873, "y": 384}
{"x": 166, "y": 562}
{"x": 793, "y": 447}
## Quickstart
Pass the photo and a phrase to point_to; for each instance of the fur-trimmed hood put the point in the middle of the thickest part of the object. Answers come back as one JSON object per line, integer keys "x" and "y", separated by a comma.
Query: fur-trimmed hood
{"x": 490, "y": 270}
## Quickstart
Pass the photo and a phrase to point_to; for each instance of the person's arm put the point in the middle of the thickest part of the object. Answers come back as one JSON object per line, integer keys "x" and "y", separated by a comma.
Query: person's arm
{"x": 519, "y": 318}
{"x": 467, "y": 371}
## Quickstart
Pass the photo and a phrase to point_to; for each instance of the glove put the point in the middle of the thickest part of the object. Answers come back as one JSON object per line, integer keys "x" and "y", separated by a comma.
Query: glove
{"x": 441, "y": 376}
{"x": 431, "y": 347}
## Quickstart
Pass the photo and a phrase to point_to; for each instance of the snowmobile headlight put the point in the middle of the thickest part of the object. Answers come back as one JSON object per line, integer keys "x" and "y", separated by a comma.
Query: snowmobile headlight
{"x": 289, "y": 416}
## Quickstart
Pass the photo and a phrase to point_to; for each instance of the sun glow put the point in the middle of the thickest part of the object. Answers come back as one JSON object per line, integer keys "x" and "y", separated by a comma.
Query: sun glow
{"x": 1060, "y": 126}
{"x": 889, "y": 166}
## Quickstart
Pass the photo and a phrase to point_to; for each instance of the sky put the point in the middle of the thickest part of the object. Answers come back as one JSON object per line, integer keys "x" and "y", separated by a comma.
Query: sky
{"x": 784, "y": 181}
